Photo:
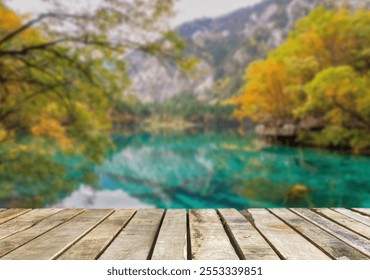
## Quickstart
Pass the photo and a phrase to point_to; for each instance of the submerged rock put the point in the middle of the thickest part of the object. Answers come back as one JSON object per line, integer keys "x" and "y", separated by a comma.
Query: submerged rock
{"x": 297, "y": 192}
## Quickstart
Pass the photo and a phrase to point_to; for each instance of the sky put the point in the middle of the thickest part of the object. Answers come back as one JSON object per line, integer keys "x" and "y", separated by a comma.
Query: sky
{"x": 192, "y": 9}
{"x": 186, "y": 10}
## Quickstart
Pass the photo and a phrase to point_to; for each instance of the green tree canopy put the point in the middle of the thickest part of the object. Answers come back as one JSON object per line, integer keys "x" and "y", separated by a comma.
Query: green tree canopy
{"x": 319, "y": 75}
{"x": 61, "y": 73}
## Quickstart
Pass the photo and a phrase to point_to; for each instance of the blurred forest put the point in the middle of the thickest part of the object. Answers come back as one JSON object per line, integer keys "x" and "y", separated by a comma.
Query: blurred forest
{"x": 318, "y": 81}
{"x": 66, "y": 82}
{"x": 61, "y": 74}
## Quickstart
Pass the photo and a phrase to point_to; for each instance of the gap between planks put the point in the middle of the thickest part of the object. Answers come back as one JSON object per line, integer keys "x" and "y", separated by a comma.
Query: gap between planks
{"x": 345, "y": 221}
{"x": 21, "y": 238}
{"x": 290, "y": 244}
{"x": 10, "y": 214}
{"x": 94, "y": 243}
{"x": 56, "y": 241}
{"x": 358, "y": 242}
{"x": 198, "y": 234}
{"x": 331, "y": 245}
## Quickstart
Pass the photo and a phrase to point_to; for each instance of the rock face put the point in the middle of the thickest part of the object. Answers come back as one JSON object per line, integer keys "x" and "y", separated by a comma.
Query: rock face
{"x": 225, "y": 45}
{"x": 154, "y": 81}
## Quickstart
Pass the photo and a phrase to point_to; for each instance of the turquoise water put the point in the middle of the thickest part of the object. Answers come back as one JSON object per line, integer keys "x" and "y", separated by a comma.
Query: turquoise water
{"x": 217, "y": 170}
{"x": 199, "y": 170}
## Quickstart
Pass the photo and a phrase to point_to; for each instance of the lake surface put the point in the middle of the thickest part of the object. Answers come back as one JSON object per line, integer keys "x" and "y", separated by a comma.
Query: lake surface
{"x": 222, "y": 169}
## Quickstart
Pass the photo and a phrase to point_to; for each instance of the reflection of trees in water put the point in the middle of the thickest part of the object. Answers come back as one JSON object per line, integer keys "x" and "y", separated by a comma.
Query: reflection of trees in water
{"x": 182, "y": 170}
{"x": 178, "y": 170}
{"x": 219, "y": 169}
{"x": 288, "y": 177}
{"x": 39, "y": 174}
{"x": 188, "y": 194}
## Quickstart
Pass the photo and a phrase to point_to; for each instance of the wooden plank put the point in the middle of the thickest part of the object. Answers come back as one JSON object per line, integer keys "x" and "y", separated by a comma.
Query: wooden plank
{"x": 209, "y": 240}
{"x": 290, "y": 244}
{"x": 15, "y": 241}
{"x": 25, "y": 221}
{"x": 172, "y": 241}
{"x": 356, "y": 241}
{"x": 354, "y": 215}
{"x": 9, "y": 214}
{"x": 250, "y": 242}
{"x": 136, "y": 240}
{"x": 365, "y": 211}
{"x": 57, "y": 240}
{"x": 91, "y": 246}
{"x": 345, "y": 221}
{"x": 336, "y": 248}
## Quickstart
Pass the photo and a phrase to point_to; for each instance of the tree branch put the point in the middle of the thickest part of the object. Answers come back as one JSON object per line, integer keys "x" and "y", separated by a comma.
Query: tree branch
{"x": 41, "y": 17}
{"x": 26, "y": 50}
{"x": 352, "y": 113}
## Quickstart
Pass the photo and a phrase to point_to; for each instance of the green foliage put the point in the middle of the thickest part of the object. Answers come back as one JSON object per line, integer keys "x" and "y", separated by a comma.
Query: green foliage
{"x": 320, "y": 73}
{"x": 185, "y": 105}
{"x": 33, "y": 172}
{"x": 61, "y": 74}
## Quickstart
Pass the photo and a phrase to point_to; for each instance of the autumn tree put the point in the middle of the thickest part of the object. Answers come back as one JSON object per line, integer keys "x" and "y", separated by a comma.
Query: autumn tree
{"x": 320, "y": 73}
{"x": 61, "y": 72}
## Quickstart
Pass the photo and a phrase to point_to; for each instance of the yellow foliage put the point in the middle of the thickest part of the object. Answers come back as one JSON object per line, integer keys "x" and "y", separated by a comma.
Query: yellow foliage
{"x": 8, "y": 19}
{"x": 320, "y": 73}
{"x": 3, "y": 134}
{"x": 264, "y": 97}
{"x": 51, "y": 128}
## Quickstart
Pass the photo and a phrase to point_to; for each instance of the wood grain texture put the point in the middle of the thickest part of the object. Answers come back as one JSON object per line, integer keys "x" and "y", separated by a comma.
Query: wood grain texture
{"x": 9, "y": 214}
{"x": 345, "y": 221}
{"x": 365, "y": 211}
{"x": 172, "y": 240}
{"x": 25, "y": 221}
{"x": 93, "y": 244}
{"x": 18, "y": 239}
{"x": 136, "y": 240}
{"x": 209, "y": 240}
{"x": 360, "y": 243}
{"x": 336, "y": 248}
{"x": 354, "y": 215}
{"x": 57, "y": 240}
{"x": 290, "y": 244}
{"x": 227, "y": 234}
{"x": 251, "y": 244}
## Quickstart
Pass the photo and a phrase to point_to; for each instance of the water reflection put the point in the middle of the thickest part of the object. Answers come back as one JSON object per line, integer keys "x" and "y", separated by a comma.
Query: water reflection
{"x": 205, "y": 170}
{"x": 88, "y": 197}
{"x": 212, "y": 170}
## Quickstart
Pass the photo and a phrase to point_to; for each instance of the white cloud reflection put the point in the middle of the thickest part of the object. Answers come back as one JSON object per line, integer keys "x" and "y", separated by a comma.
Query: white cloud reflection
{"x": 87, "y": 197}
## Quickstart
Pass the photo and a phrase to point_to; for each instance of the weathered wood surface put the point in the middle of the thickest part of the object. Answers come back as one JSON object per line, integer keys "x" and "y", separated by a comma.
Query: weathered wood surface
{"x": 289, "y": 243}
{"x": 345, "y": 221}
{"x": 136, "y": 240}
{"x": 25, "y": 221}
{"x": 360, "y": 243}
{"x": 93, "y": 244}
{"x": 333, "y": 246}
{"x": 54, "y": 242}
{"x": 356, "y": 216}
{"x": 17, "y": 240}
{"x": 252, "y": 234}
{"x": 172, "y": 239}
{"x": 251, "y": 244}
{"x": 9, "y": 214}
{"x": 364, "y": 211}
{"x": 208, "y": 237}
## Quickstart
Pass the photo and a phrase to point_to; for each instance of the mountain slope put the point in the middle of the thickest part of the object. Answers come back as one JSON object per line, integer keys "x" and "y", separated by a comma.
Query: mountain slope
{"x": 225, "y": 45}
